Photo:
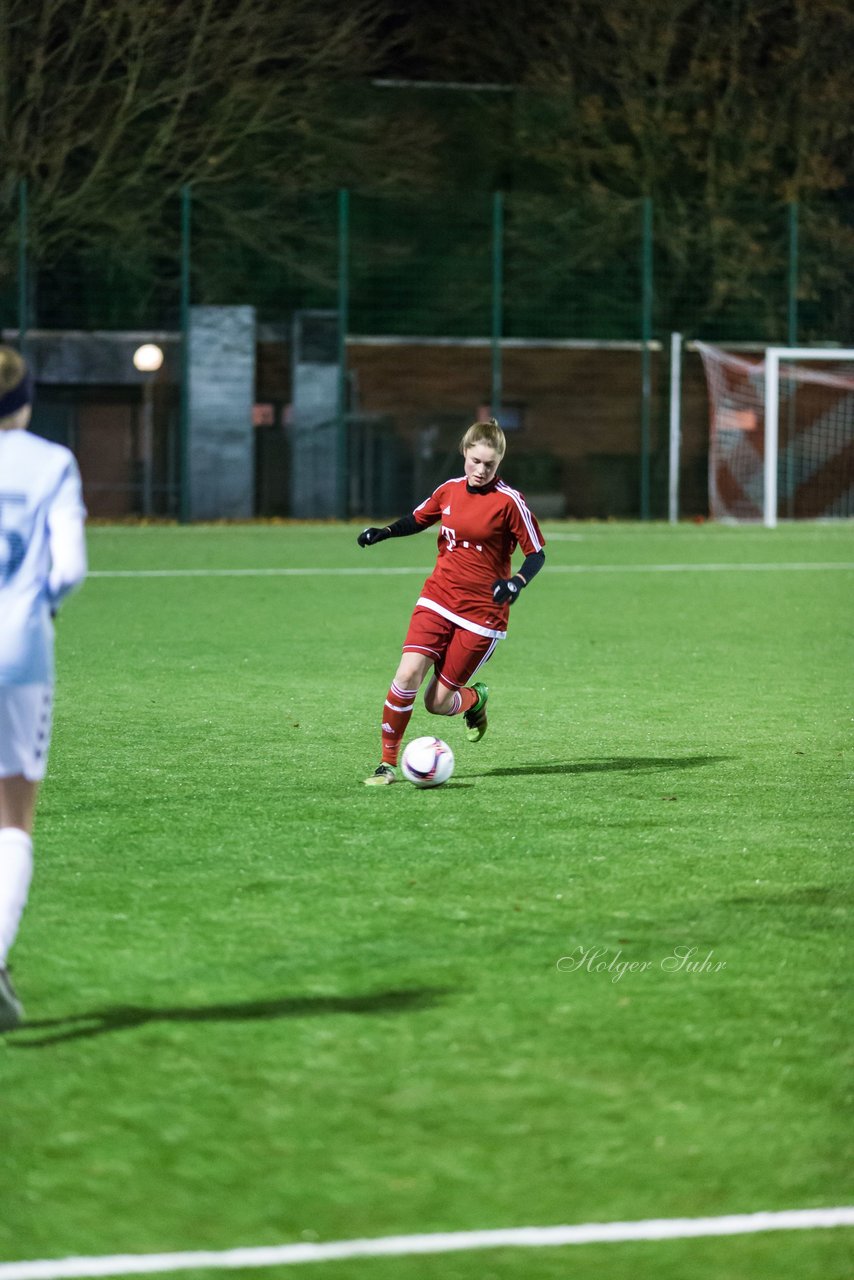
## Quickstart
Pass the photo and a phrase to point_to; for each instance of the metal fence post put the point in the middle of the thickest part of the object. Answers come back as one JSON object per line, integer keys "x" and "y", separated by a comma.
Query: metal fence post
{"x": 646, "y": 355}
{"x": 343, "y": 324}
{"x": 792, "y": 327}
{"x": 496, "y": 390}
{"x": 792, "y": 341}
{"x": 184, "y": 418}
{"x": 23, "y": 279}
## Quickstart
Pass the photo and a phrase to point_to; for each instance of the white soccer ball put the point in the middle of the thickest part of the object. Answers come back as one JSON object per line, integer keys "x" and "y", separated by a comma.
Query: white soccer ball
{"x": 427, "y": 762}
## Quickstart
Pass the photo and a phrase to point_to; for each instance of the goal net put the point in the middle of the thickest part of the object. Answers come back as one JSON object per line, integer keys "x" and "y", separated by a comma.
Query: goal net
{"x": 781, "y": 439}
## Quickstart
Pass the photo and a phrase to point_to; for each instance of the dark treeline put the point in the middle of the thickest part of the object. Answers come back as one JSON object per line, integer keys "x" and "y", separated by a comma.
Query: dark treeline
{"x": 722, "y": 112}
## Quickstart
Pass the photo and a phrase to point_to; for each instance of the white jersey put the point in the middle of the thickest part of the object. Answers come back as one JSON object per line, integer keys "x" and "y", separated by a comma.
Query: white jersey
{"x": 42, "y": 550}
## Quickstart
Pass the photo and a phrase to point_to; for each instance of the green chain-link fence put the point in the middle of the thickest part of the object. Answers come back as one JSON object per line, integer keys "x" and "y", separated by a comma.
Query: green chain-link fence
{"x": 478, "y": 275}
{"x": 425, "y": 267}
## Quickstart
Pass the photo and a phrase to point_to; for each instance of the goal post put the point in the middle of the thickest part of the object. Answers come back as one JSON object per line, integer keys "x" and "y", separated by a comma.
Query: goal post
{"x": 781, "y": 433}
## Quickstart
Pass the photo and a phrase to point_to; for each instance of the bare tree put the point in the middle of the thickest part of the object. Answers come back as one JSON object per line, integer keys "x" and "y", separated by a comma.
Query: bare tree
{"x": 720, "y": 111}
{"x": 108, "y": 107}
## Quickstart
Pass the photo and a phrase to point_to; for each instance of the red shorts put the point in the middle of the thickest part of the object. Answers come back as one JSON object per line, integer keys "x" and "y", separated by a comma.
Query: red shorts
{"x": 456, "y": 653}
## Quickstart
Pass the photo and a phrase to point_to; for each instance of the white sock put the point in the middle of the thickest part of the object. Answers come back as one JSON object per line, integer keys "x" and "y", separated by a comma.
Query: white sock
{"x": 16, "y": 871}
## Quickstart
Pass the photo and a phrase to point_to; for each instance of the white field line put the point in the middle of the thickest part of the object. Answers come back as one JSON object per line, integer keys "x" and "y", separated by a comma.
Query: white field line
{"x": 841, "y": 525}
{"x": 250, "y": 573}
{"x": 441, "y": 1242}
{"x": 419, "y": 569}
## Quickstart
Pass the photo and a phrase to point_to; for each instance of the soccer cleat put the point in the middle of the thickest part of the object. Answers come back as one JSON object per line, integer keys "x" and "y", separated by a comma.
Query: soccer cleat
{"x": 382, "y": 776}
{"x": 11, "y": 1009}
{"x": 476, "y": 718}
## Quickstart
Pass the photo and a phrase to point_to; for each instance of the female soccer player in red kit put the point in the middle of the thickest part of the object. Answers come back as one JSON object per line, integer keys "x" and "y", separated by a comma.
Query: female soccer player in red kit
{"x": 462, "y": 611}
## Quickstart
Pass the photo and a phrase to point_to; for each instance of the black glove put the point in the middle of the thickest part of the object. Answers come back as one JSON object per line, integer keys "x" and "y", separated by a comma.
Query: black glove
{"x": 368, "y": 537}
{"x": 506, "y": 590}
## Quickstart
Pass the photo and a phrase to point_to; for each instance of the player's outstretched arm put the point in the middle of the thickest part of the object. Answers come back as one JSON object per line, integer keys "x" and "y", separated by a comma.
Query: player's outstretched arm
{"x": 508, "y": 590}
{"x": 401, "y": 528}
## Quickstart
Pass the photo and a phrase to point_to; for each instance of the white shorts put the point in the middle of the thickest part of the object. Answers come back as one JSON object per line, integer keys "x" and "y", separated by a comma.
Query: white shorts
{"x": 25, "y": 724}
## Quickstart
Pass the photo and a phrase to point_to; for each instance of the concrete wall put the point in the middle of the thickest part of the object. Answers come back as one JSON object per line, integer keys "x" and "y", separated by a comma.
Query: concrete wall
{"x": 580, "y": 411}
{"x": 220, "y": 396}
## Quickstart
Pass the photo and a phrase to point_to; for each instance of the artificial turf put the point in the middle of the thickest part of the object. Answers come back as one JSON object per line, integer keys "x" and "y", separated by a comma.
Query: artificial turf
{"x": 268, "y": 1004}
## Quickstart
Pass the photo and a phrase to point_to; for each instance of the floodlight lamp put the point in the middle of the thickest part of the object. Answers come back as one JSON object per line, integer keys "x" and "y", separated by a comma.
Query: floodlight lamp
{"x": 148, "y": 358}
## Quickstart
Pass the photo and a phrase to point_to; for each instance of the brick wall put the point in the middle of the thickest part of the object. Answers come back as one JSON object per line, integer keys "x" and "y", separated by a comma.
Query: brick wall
{"x": 580, "y": 412}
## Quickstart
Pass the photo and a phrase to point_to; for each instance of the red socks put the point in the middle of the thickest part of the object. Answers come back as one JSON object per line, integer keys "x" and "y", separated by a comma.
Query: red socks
{"x": 469, "y": 698}
{"x": 397, "y": 711}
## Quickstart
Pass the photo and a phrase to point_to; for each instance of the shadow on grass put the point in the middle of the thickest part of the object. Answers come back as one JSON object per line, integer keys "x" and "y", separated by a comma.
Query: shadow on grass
{"x": 84, "y": 1026}
{"x": 616, "y": 764}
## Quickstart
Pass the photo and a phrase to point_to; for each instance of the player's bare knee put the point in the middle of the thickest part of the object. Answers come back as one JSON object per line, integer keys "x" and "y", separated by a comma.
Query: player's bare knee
{"x": 411, "y": 671}
{"x": 406, "y": 677}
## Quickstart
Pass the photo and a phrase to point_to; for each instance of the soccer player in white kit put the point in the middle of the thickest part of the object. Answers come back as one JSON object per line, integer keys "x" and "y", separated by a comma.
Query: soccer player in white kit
{"x": 42, "y": 558}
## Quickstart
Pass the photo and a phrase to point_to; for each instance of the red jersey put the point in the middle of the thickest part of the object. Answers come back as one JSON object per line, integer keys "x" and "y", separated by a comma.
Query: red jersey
{"x": 480, "y": 529}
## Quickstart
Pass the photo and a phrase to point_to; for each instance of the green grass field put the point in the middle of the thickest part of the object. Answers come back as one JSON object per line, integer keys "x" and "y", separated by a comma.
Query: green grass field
{"x": 269, "y": 1004}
